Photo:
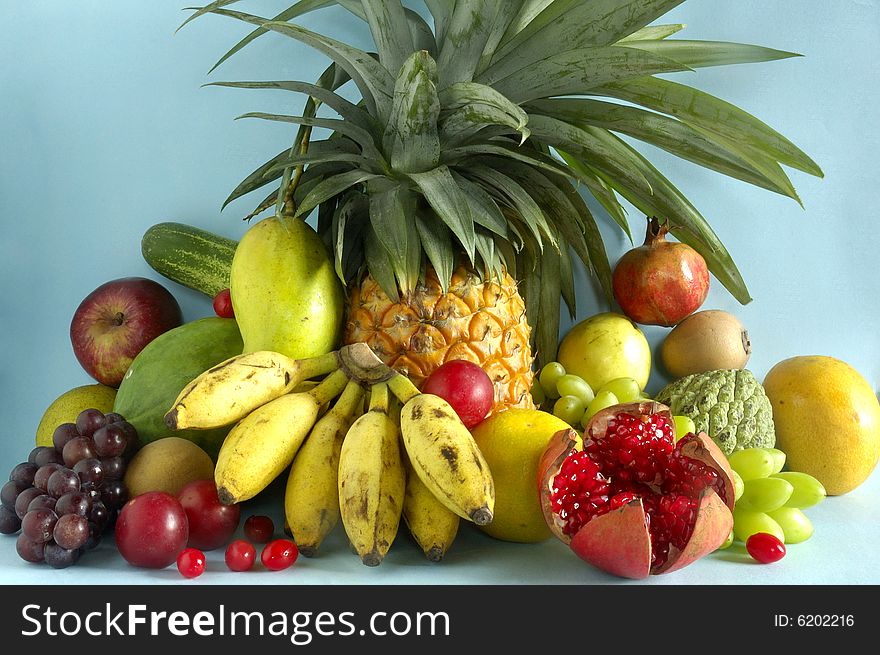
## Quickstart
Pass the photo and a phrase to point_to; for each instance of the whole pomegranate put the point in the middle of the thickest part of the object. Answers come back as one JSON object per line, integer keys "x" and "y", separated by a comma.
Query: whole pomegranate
{"x": 660, "y": 282}
{"x": 633, "y": 501}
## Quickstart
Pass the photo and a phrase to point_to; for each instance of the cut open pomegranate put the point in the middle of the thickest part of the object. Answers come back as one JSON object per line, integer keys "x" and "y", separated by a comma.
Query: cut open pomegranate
{"x": 633, "y": 501}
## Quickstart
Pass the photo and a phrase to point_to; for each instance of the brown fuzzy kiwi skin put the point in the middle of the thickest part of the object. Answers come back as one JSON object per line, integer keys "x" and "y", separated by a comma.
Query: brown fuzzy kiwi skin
{"x": 709, "y": 340}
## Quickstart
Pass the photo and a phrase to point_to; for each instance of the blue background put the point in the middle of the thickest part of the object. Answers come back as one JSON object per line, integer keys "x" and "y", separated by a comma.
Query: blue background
{"x": 106, "y": 131}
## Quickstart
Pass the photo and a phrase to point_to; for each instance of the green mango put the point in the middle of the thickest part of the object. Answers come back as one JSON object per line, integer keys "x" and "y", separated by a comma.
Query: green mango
{"x": 285, "y": 291}
{"x": 164, "y": 367}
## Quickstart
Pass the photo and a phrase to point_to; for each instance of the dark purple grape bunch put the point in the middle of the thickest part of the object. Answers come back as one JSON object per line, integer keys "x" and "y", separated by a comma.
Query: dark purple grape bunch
{"x": 64, "y": 497}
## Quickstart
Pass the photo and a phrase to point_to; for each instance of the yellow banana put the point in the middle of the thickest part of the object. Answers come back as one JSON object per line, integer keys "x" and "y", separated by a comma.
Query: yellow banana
{"x": 372, "y": 480}
{"x": 233, "y": 389}
{"x": 431, "y": 524}
{"x": 264, "y": 443}
{"x": 444, "y": 454}
{"x": 311, "y": 499}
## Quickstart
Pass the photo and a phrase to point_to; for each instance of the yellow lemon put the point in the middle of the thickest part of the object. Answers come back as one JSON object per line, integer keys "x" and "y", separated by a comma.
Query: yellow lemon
{"x": 65, "y": 408}
{"x": 512, "y": 443}
{"x": 604, "y": 347}
{"x": 827, "y": 420}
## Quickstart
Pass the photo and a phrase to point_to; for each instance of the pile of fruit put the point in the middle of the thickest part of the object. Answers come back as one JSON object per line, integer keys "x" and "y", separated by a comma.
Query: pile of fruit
{"x": 385, "y": 361}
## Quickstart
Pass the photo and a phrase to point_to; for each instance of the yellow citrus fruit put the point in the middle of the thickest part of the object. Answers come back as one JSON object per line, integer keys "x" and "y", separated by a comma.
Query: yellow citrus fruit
{"x": 827, "y": 420}
{"x": 604, "y": 347}
{"x": 65, "y": 408}
{"x": 512, "y": 443}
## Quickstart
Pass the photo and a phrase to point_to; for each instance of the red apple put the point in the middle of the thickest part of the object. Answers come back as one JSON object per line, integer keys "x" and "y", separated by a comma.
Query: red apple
{"x": 116, "y": 320}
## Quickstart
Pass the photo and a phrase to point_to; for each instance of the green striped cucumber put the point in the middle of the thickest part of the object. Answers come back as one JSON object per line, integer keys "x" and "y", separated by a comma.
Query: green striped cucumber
{"x": 190, "y": 256}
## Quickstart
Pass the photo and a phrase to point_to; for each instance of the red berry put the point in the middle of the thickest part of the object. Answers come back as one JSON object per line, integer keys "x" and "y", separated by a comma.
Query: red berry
{"x": 259, "y": 529}
{"x": 191, "y": 562}
{"x": 279, "y": 554}
{"x": 240, "y": 555}
{"x": 223, "y": 305}
{"x": 766, "y": 548}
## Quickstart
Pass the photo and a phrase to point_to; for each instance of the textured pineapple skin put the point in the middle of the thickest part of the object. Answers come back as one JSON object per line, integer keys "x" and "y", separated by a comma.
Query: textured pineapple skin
{"x": 484, "y": 323}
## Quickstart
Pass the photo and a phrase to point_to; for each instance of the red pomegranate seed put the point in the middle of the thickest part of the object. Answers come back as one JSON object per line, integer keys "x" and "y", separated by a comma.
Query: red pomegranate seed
{"x": 765, "y": 548}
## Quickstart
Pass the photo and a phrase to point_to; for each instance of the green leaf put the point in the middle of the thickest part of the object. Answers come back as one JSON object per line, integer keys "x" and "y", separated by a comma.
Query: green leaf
{"x": 469, "y": 28}
{"x": 600, "y": 190}
{"x": 441, "y": 11}
{"x": 576, "y": 24}
{"x": 379, "y": 264}
{"x": 447, "y": 199}
{"x": 317, "y": 158}
{"x": 578, "y": 71}
{"x": 374, "y": 82}
{"x": 547, "y": 329}
{"x": 332, "y": 186}
{"x": 347, "y": 110}
{"x": 298, "y": 9}
{"x": 590, "y": 148}
{"x": 653, "y": 32}
{"x": 391, "y": 33}
{"x": 437, "y": 244}
{"x": 483, "y": 208}
{"x": 422, "y": 34}
{"x": 672, "y": 135}
{"x": 486, "y": 251}
{"x": 260, "y": 177}
{"x": 391, "y": 206}
{"x": 517, "y": 197}
{"x": 411, "y": 133}
{"x": 533, "y": 158}
{"x": 566, "y": 278}
{"x": 699, "y": 54}
{"x": 357, "y": 134}
{"x": 712, "y": 114}
{"x": 689, "y": 226}
{"x": 347, "y": 212}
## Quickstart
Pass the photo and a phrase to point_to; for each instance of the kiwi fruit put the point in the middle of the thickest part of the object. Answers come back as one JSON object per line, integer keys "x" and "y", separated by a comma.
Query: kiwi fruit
{"x": 710, "y": 340}
{"x": 167, "y": 465}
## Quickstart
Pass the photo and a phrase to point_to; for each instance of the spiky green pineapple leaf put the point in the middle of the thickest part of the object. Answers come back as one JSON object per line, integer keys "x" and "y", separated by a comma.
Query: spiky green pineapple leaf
{"x": 600, "y": 190}
{"x": 472, "y": 25}
{"x": 441, "y": 12}
{"x": 372, "y": 79}
{"x": 319, "y": 157}
{"x": 346, "y": 110}
{"x": 701, "y": 54}
{"x": 547, "y": 329}
{"x": 470, "y": 103}
{"x": 653, "y": 33}
{"x": 670, "y": 134}
{"x": 379, "y": 264}
{"x": 391, "y": 206}
{"x": 348, "y": 224}
{"x": 436, "y": 239}
{"x": 411, "y": 136}
{"x": 357, "y": 134}
{"x": 332, "y": 186}
{"x": 483, "y": 208}
{"x": 507, "y": 150}
{"x": 564, "y": 73}
{"x": 390, "y": 30}
{"x": 576, "y": 24}
{"x": 446, "y": 198}
{"x": 486, "y": 255}
{"x": 701, "y": 109}
{"x": 261, "y": 176}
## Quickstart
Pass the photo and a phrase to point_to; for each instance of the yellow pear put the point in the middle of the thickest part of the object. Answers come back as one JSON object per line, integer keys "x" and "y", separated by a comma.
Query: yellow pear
{"x": 285, "y": 291}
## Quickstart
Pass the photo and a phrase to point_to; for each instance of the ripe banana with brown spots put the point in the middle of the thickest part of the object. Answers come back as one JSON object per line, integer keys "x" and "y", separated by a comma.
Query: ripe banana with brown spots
{"x": 234, "y": 388}
{"x": 444, "y": 454}
{"x": 372, "y": 480}
{"x": 431, "y": 524}
{"x": 263, "y": 444}
{"x": 311, "y": 498}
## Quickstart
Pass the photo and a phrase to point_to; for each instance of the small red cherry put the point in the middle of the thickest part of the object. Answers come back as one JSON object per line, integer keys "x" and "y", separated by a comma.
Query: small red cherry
{"x": 765, "y": 548}
{"x": 279, "y": 554}
{"x": 191, "y": 562}
{"x": 223, "y": 304}
{"x": 240, "y": 555}
{"x": 259, "y": 529}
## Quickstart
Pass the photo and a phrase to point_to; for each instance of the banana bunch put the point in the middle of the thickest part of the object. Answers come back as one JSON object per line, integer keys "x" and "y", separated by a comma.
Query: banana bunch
{"x": 406, "y": 455}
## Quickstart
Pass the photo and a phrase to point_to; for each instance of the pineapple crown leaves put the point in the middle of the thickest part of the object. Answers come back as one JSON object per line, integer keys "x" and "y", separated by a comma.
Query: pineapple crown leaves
{"x": 475, "y": 135}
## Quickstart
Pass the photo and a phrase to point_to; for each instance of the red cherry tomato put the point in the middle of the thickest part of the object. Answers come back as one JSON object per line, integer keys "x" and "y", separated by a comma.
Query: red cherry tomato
{"x": 766, "y": 548}
{"x": 191, "y": 563}
{"x": 211, "y": 523}
{"x": 279, "y": 554}
{"x": 240, "y": 555}
{"x": 151, "y": 530}
{"x": 223, "y": 305}
{"x": 466, "y": 387}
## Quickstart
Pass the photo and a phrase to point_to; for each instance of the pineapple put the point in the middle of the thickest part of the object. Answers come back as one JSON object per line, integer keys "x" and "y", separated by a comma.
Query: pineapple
{"x": 449, "y": 194}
